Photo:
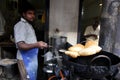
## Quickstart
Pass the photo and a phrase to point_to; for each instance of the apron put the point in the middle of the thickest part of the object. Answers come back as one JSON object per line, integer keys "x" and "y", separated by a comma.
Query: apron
{"x": 30, "y": 62}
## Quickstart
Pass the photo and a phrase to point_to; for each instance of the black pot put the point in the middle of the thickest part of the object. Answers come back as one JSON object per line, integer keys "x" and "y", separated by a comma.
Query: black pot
{"x": 95, "y": 66}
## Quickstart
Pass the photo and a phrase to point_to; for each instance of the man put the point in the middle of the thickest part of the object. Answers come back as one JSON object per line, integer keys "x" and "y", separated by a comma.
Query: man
{"x": 26, "y": 42}
{"x": 92, "y": 32}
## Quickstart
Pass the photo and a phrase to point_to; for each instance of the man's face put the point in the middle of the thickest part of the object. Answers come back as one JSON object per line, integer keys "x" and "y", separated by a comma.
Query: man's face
{"x": 29, "y": 15}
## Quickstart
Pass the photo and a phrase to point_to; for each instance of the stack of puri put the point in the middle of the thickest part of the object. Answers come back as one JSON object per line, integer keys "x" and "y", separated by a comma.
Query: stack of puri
{"x": 91, "y": 47}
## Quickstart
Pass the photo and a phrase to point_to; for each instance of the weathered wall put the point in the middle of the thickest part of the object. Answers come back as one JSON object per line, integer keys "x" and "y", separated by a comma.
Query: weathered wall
{"x": 64, "y": 16}
{"x": 110, "y": 27}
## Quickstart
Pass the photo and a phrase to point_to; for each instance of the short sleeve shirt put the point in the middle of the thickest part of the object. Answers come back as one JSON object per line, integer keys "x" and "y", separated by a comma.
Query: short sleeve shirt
{"x": 90, "y": 30}
{"x": 23, "y": 31}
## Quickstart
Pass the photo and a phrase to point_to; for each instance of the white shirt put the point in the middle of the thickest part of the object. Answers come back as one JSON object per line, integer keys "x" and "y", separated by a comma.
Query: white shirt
{"x": 90, "y": 30}
{"x": 23, "y": 31}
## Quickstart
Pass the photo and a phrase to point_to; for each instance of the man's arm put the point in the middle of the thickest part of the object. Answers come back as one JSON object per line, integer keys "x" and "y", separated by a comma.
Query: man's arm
{"x": 24, "y": 46}
{"x": 91, "y": 35}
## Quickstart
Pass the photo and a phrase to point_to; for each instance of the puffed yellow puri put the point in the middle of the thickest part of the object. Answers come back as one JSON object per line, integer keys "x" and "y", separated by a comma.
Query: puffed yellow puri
{"x": 91, "y": 47}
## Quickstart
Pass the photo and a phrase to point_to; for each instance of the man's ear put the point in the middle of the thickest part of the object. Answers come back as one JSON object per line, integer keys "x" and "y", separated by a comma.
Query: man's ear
{"x": 23, "y": 14}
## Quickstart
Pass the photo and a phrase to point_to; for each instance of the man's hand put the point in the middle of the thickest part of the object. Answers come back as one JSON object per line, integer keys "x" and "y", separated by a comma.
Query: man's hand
{"x": 24, "y": 46}
{"x": 42, "y": 44}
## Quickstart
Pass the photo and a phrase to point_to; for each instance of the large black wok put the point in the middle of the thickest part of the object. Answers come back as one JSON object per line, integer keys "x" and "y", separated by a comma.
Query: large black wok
{"x": 95, "y": 66}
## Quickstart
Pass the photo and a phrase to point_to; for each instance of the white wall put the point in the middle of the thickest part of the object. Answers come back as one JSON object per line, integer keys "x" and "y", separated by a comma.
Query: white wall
{"x": 64, "y": 16}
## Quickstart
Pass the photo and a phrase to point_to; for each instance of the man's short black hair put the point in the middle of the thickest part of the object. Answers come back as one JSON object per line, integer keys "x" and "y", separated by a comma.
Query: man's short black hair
{"x": 26, "y": 7}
